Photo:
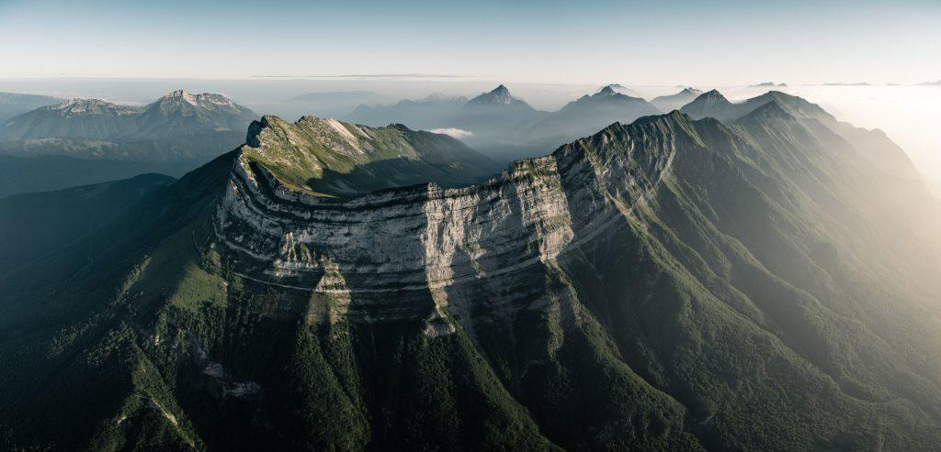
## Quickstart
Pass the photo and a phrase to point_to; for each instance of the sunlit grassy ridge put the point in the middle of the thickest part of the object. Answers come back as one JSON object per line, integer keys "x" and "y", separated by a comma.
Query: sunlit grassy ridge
{"x": 311, "y": 153}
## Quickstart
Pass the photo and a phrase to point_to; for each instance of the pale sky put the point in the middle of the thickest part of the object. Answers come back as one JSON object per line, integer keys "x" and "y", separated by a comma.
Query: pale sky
{"x": 708, "y": 43}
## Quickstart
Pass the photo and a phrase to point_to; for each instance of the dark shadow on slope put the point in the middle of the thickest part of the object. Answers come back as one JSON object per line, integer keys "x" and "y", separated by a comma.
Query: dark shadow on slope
{"x": 399, "y": 172}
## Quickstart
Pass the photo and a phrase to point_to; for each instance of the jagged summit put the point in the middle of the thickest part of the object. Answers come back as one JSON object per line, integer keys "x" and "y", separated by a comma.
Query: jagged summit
{"x": 676, "y": 101}
{"x": 589, "y": 113}
{"x": 712, "y": 103}
{"x": 76, "y": 106}
{"x": 606, "y": 94}
{"x": 769, "y": 111}
{"x": 619, "y": 88}
{"x": 713, "y": 94}
{"x": 498, "y": 96}
{"x": 204, "y": 100}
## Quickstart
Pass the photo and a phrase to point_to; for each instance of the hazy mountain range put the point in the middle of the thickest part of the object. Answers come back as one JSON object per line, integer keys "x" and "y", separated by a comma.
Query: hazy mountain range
{"x": 753, "y": 282}
{"x": 174, "y": 135}
{"x": 506, "y": 127}
{"x": 769, "y": 85}
{"x": 176, "y": 114}
{"x": 423, "y": 113}
{"x": 587, "y": 114}
{"x": 675, "y": 101}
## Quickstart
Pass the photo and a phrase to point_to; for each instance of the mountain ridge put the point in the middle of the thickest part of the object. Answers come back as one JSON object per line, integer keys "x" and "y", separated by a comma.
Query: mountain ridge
{"x": 176, "y": 113}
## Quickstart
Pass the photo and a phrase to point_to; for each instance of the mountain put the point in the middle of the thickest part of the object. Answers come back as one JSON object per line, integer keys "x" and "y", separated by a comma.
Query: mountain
{"x": 617, "y": 87}
{"x": 935, "y": 83}
{"x": 13, "y": 104}
{"x": 173, "y": 135}
{"x": 769, "y": 85}
{"x": 714, "y": 105}
{"x": 495, "y": 118}
{"x": 178, "y": 113}
{"x": 676, "y": 101}
{"x": 590, "y": 113}
{"x": 328, "y": 103}
{"x": 506, "y": 127}
{"x": 669, "y": 284}
{"x": 498, "y": 96}
{"x": 181, "y": 113}
{"x": 75, "y": 118}
{"x": 426, "y": 113}
{"x": 327, "y": 157}
{"x": 873, "y": 144}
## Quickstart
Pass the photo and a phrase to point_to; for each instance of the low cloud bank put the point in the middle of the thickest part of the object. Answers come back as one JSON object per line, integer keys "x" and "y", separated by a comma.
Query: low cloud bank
{"x": 453, "y": 132}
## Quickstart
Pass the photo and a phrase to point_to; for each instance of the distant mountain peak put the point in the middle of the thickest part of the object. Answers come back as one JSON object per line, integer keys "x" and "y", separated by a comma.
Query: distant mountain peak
{"x": 607, "y": 95}
{"x": 498, "y": 96}
{"x": 181, "y": 95}
{"x": 78, "y": 106}
{"x": 713, "y": 93}
{"x": 676, "y": 101}
{"x": 176, "y": 114}
{"x": 79, "y": 102}
{"x": 771, "y": 110}
{"x": 438, "y": 97}
{"x": 713, "y": 97}
{"x": 501, "y": 94}
{"x": 206, "y": 100}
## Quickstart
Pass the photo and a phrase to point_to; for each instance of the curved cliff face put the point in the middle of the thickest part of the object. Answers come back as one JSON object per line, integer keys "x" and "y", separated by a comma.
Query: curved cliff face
{"x": 426, "y": 243}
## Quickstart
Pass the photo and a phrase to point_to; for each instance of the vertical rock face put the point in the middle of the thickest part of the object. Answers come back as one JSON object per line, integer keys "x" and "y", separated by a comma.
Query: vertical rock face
{"x": 426, "y": 239}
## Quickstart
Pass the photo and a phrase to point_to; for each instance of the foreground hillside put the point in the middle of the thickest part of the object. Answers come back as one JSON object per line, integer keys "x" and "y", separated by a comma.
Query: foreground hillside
{"x": 672, "y": 284}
